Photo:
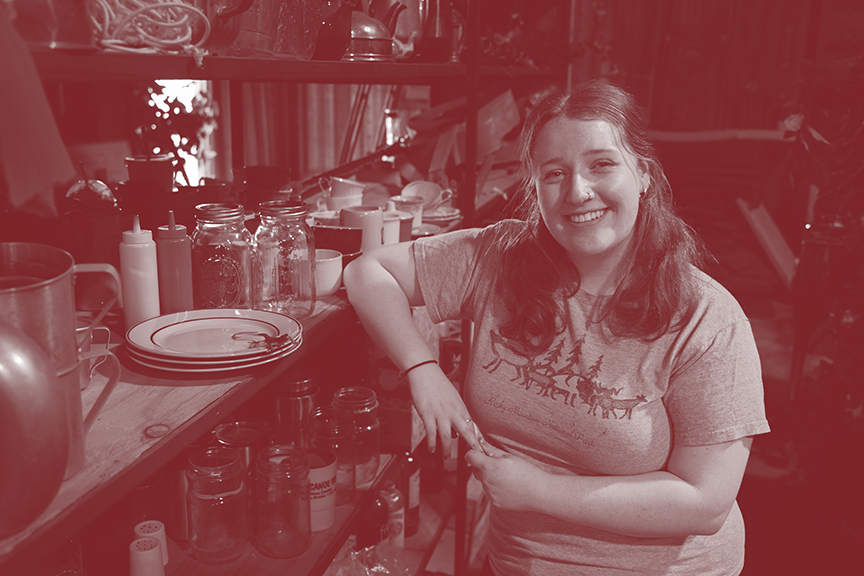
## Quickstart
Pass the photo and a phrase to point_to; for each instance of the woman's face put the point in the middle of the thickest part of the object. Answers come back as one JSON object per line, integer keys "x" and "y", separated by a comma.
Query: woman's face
{"x": 588, "y": 189}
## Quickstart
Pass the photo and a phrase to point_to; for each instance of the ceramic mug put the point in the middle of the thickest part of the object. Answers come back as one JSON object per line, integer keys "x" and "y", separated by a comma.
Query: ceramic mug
{"x": 338, "y": 187}
{"x": 328, "y": 271}
{"x": 411, "y": 204}
{"x": 370, "y": 219}
{"x": 433, "y": 195}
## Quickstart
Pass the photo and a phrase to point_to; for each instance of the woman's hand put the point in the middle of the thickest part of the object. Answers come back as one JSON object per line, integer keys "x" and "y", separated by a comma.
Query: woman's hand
{"x": 511, "y": 482}
{"x": 441, "y": 408}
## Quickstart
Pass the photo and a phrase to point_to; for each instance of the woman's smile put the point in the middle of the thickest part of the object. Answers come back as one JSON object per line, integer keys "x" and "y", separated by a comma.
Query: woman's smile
{"x": 587, "y": 217}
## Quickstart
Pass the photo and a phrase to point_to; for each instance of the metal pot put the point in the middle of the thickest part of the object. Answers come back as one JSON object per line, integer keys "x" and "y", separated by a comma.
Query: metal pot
{"x": 37, "y": 297}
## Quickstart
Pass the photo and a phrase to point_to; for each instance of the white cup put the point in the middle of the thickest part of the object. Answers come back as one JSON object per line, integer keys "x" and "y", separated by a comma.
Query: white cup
{"x": 328, "y": 271}
{"x": 337, "y": 203}
{"x": 338, "y": 187}
{"x": 411, "y": 204}
{"x": 433, "y": 195}
{"x": 370, "y": 219}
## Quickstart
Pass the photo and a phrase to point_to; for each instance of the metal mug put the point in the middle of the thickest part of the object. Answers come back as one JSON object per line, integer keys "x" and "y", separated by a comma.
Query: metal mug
{"x": 37, "y": 296}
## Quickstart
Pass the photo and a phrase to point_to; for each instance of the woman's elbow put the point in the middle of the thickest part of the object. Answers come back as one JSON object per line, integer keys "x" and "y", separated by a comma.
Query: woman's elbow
{"x": 710, "y": 521}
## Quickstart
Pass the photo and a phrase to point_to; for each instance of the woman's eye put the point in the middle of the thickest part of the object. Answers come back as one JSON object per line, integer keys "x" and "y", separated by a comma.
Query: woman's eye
{"x": 552, "y": 175}
{"x": 601, "y": 164}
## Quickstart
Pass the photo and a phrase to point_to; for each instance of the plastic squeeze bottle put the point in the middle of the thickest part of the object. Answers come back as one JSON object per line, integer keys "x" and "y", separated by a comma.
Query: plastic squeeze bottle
{"x": 174, "y": 257}
{"x": 139, "y": 275}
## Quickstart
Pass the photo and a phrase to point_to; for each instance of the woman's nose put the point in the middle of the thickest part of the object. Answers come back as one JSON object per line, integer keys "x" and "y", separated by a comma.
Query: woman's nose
{"x": 580, "y": 190}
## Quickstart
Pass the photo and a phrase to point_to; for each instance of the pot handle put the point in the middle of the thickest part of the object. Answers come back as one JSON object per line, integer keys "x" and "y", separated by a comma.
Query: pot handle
{"x": 225, "y": 13}
{"x": 109, "y": 386}
{"x": 105, "y": 269}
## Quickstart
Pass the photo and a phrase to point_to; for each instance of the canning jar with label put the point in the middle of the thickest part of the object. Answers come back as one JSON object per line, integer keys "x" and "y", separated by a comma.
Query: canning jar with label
{"x": 223, "y": 257}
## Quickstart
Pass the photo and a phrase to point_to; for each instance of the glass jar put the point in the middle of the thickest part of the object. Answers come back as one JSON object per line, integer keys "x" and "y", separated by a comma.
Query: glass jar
{"x": 285, "y": 281}
{"x": 283, "y": 505}
{"x": 333, "y": 429}
{"x": 362, "y": 403}
{"x": 216, "y": 505}
{"x": 248, "y": 439}
{"x": 222, "y": 257}
{"x": 295, "y": 398}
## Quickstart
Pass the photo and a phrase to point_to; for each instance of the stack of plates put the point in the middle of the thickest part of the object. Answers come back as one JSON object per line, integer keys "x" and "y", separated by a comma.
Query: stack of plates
{"x": 442, "y": 215}
{"x": 213, "y": 340}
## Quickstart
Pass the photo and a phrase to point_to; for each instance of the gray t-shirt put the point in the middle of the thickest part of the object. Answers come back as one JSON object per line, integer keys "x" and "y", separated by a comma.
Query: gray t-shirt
{"x": 595, "y": 405}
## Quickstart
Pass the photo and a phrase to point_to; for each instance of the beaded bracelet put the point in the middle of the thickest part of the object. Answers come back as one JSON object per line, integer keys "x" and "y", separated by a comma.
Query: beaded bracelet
{"x": 407, "y": 370}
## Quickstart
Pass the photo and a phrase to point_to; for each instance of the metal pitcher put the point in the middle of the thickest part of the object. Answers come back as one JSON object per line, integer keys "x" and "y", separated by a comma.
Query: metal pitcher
{"x": 37, "y": 296}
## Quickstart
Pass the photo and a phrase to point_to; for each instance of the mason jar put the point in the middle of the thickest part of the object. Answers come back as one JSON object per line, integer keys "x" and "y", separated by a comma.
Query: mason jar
{"x": 362, "y": 403}
{"x": 285, "y": 280}
{"x": 216, "y": 505}
{"x": 222, "y": 257}
{"x": 283, "y": 503}
{"x": 333, "y": 429}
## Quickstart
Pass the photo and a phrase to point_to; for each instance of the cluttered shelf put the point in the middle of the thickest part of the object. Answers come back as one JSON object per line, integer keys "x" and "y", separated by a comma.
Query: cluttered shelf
{"x": 148, "y": 419}
{"x": 105, "y": 65}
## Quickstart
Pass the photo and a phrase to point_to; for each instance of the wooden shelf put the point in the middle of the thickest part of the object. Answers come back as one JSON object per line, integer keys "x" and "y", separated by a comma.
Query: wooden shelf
{"x": 102, "y": 65}
{"x": 148, "y": 419}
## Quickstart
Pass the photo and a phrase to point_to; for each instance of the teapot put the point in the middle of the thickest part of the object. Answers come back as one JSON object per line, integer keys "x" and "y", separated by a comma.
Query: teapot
{"x": 352, "y": 34}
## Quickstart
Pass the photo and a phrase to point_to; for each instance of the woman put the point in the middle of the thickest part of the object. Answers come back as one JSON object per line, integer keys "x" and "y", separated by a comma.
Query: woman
{"x": 614, "y": 386}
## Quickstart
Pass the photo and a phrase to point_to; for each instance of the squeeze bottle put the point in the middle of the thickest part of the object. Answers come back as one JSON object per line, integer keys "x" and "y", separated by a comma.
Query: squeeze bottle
{"x": 139, "y": 275}
{"x": 174, "y": 257}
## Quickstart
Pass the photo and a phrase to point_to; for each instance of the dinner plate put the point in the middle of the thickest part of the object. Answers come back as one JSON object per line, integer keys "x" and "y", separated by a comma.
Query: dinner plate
{"x": 442, "y": 214}
{"x": 425, "y": 230}
{"x": 214, "y": 333}
{"x": 209, "y": 367}
{"x": 137, "y": 354}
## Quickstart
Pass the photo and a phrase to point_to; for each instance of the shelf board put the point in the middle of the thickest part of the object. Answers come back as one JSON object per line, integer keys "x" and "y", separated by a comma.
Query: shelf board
{"x": 147, "y": 420}
{"x": 83, "y": 66}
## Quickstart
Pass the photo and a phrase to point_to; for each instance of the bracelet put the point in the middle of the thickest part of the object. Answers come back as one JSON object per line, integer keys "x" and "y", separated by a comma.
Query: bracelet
{"x": 407, "y": 370}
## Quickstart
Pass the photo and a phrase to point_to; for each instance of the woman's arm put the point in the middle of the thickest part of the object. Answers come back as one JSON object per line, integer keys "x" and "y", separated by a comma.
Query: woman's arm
{"x": 692, "y": 496}
{"x": 382, "y": 287}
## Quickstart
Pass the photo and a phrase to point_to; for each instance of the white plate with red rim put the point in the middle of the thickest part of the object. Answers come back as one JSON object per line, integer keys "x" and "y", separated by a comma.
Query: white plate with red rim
{"x": 228, "y": 333}
{"x": 208, "y": 367}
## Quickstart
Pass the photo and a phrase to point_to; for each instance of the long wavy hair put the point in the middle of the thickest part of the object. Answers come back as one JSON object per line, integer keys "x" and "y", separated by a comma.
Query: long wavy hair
{"x": 656, "y": 294}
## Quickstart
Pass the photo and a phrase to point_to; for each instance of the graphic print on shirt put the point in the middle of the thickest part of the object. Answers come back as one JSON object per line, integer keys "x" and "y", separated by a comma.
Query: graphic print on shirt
{"x": 543, "y": 374}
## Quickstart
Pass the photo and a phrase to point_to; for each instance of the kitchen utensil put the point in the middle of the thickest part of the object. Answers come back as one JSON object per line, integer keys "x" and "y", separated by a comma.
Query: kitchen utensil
{"x": 33, "y": 430}
{"x": 37, "y": 297}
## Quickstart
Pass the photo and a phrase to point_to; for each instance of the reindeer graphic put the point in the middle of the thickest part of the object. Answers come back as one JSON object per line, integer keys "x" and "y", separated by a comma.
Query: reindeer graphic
{"x": 542, "y": 374}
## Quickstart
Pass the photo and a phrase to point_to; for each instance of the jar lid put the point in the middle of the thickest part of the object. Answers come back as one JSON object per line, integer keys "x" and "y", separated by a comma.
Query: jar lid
{"x": 218, "y": 212}
{"x": 283, "y": 208}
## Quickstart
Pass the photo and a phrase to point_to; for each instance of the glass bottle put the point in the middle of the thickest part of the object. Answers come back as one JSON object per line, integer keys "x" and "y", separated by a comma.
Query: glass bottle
{"x": 285, "y": 280}
{"x": 283, "y": 505}
{"x": 410, "y": 488}
{"x": 362, "y": 403}
{"x": 222, "y": 257}
{"x": 216, "y": 504}
{"x": 333, "y": 429}
{"x": 395, "y": 532}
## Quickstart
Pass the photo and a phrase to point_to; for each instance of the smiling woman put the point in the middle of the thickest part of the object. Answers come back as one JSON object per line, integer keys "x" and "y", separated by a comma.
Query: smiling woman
{"x": 613, "y": 387}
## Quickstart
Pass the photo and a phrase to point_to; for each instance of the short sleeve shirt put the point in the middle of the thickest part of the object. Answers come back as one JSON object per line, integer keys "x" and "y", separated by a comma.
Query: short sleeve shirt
{"x": 592, "y": 404}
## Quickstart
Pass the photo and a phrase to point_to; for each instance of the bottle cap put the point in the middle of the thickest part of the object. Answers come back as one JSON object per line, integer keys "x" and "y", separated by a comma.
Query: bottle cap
{"x": 171, "y": 230}
{"x": 137, "y": 235}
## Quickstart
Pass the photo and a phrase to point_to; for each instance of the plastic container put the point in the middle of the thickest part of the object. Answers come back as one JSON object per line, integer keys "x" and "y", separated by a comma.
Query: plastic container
{"x": 283, "y": 510}
{"x": 222, "y": 257}
{"x": 139, "y": 275}
{"x": 216, "y": 504}
{"x": 362, "y": 403}
{"x": 174, "y": 257}
{"x": 285, "y": 281}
